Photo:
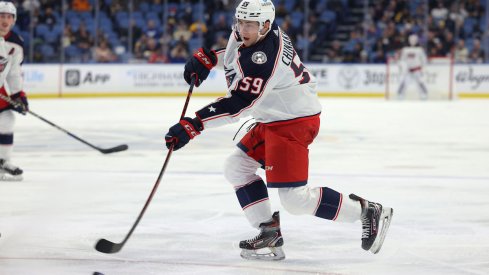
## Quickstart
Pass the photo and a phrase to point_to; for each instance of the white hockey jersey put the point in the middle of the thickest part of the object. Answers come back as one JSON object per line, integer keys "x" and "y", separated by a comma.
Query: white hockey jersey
{"x": 413, "y": 58}
{"x": 266, "y": 80}
{"x": 11, "y": 58}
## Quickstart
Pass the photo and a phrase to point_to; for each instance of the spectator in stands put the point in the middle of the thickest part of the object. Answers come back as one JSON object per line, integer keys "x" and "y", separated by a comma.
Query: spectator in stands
{"x": 179, "y": 54}
{"x": 182, "y": 32}
{"x": 334, "y": 54}
{"x": 197, "y": 28}
{"x": 152, "y": 30}
{"x": 31, "y": 5}
{"x": 48, "y": 17}
{"x": 103, "y": 53}
{"x": 116, "y": 6}
{"x": 461, "y": 54}
{"x": 477, "y": 53}
{"x": 140, "y": 47}
{"x": 448, "y": 43}
{"x": 160, "y": 56}
{"x": 84, "y": 42}
{"x": 81, "y": 5}
{"x": 440, "y": 12}
{"x": 68, "y": 36}
{"x": 152, "y": 47}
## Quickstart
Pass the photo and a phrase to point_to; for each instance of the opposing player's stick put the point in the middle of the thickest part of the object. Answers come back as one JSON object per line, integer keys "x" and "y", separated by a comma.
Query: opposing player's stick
{"x": 101, "y": 150}
{"x": 106, "y": 246}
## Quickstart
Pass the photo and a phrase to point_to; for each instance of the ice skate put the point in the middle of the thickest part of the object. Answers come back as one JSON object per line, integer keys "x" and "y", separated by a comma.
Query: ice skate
{"x": 9, "y": 172}
{"x": 375, "y": 223}
{"x": 267, "y": 246}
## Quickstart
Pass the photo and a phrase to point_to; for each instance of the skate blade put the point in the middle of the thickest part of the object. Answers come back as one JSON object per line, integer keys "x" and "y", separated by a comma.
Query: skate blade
{"x": 264, "y": 254}
{"x": 5, "y": 177}
{"x": 385, "y": 218}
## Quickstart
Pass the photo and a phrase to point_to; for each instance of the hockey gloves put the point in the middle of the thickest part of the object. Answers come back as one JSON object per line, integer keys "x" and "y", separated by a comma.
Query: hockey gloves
{"x": 181, "y": 133}
{"x": 199, "y": 66}
{"x": 21, "y": 103}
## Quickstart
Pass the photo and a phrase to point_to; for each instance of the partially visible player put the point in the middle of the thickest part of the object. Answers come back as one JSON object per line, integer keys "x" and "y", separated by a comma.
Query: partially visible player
{"x": 11, "y": 84}
{"x": 267, "y": 80}
{"x": 412, "y": 60}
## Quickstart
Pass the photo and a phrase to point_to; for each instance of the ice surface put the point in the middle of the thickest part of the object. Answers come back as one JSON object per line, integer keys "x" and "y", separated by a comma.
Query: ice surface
{"x": 428, "y": 160}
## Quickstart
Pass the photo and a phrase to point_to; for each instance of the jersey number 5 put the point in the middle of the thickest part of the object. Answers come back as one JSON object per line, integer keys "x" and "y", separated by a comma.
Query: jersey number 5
{"x": 253, "y": 85}
{"x": 299, "y": 70}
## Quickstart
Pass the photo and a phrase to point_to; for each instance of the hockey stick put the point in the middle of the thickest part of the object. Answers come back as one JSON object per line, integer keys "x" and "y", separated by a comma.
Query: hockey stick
{"x": 101, "y": 150}
{"x": 106, "y": 246}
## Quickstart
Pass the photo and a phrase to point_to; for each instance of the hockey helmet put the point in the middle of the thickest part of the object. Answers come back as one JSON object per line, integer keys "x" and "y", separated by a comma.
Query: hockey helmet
{"x": 413, "y": 40}
{"x": 256, "y": 10}
{"x": 8, "y": 7}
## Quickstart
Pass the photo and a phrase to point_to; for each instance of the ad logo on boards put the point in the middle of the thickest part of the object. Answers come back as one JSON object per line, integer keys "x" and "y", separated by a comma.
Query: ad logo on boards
{"x": 74, "y": 78}
{"x": 475, "y": 79}
{"x": 349, "y": 77}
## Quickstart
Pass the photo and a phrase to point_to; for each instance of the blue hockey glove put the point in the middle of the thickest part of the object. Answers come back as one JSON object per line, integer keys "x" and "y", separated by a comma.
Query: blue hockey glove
{"x": 182, "y": 132}
{"x": 199, "y": 66}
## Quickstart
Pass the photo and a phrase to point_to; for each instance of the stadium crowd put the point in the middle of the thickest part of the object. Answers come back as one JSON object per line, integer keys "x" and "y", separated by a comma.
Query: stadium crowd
{"x": 168, "y": 31}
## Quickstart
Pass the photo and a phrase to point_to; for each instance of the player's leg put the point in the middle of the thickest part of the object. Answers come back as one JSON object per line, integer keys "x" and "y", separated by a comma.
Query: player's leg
{"x": 327, "y": 203}
{"x": 401, "y": 91}
{"x": 7, "y": 170}
{"x": 418, "y": 77}
{"x": 287, "y": 169}
{"x": 240, "y": 171}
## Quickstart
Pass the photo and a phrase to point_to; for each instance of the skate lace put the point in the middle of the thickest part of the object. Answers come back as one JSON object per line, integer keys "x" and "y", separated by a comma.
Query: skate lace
{"x": 256, "y": 238}
{"x": 365, "y": 227}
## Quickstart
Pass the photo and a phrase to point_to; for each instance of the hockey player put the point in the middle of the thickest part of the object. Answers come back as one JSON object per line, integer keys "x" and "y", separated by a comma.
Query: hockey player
{"x": 412, "y": 61}
{"x": 11, "y": 57}
{"x": 267, "y": 80}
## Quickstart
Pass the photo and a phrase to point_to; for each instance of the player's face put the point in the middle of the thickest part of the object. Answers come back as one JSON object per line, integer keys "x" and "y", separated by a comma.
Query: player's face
{"x": 248, "y": 31}
{"x": 6, "y": 23}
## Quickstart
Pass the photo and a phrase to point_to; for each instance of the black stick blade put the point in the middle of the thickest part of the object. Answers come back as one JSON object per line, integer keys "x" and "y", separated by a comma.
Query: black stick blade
{"x": 108, "y": 247}
{"x": 119, "y": 148}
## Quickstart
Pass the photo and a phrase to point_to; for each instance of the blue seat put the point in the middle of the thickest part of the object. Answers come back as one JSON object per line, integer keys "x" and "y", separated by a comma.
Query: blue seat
{"x": 297, "y": 18}
{"x": 468, "y": 27}
{"x": 41, "y": 29}
{"x": 72, "y": 51}
{"x": 144, "y": 7}
{"x": 51, "y": 37}
{"x": 47, "y": 50}
{"x": 194, "y": 44}
{"x": 289, "y": 5}
{"x": 328, "y": 16}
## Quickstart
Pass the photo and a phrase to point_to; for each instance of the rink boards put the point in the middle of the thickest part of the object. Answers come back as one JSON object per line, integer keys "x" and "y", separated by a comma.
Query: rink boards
{"x": 341, "y": 80}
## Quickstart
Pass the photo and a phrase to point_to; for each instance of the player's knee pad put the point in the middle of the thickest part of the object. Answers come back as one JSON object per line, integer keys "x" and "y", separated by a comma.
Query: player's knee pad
{"x": 7, "y": 120}
{"x": 240, "y": 169}
{"x": 299, "y": 200}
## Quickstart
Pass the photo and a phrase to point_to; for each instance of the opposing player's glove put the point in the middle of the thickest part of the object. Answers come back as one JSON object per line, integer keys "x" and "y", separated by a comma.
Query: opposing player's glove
{"x": 22, "y": 105}
{"x": 199, "y": 66}
{"x": 182, "y": 132}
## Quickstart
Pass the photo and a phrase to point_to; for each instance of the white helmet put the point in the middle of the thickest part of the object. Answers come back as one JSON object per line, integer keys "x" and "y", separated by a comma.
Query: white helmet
{"x": 413, "y": 40}
{"x": 8, "y": 7}
{"x": 256, "y": 10}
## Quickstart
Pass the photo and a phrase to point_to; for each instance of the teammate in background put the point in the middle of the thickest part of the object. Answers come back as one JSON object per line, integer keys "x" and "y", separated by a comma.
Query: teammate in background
{"x": 11, "y": 56}
{"x": 267, "y": 80}
{"x": 412, "y": 61}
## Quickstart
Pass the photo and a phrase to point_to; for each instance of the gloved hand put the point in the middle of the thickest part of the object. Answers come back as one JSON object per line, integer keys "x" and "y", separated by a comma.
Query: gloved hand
{"x": 22, "y": 105}
{"x": 182, "y": 132}
{"x": 199, "y": 65}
